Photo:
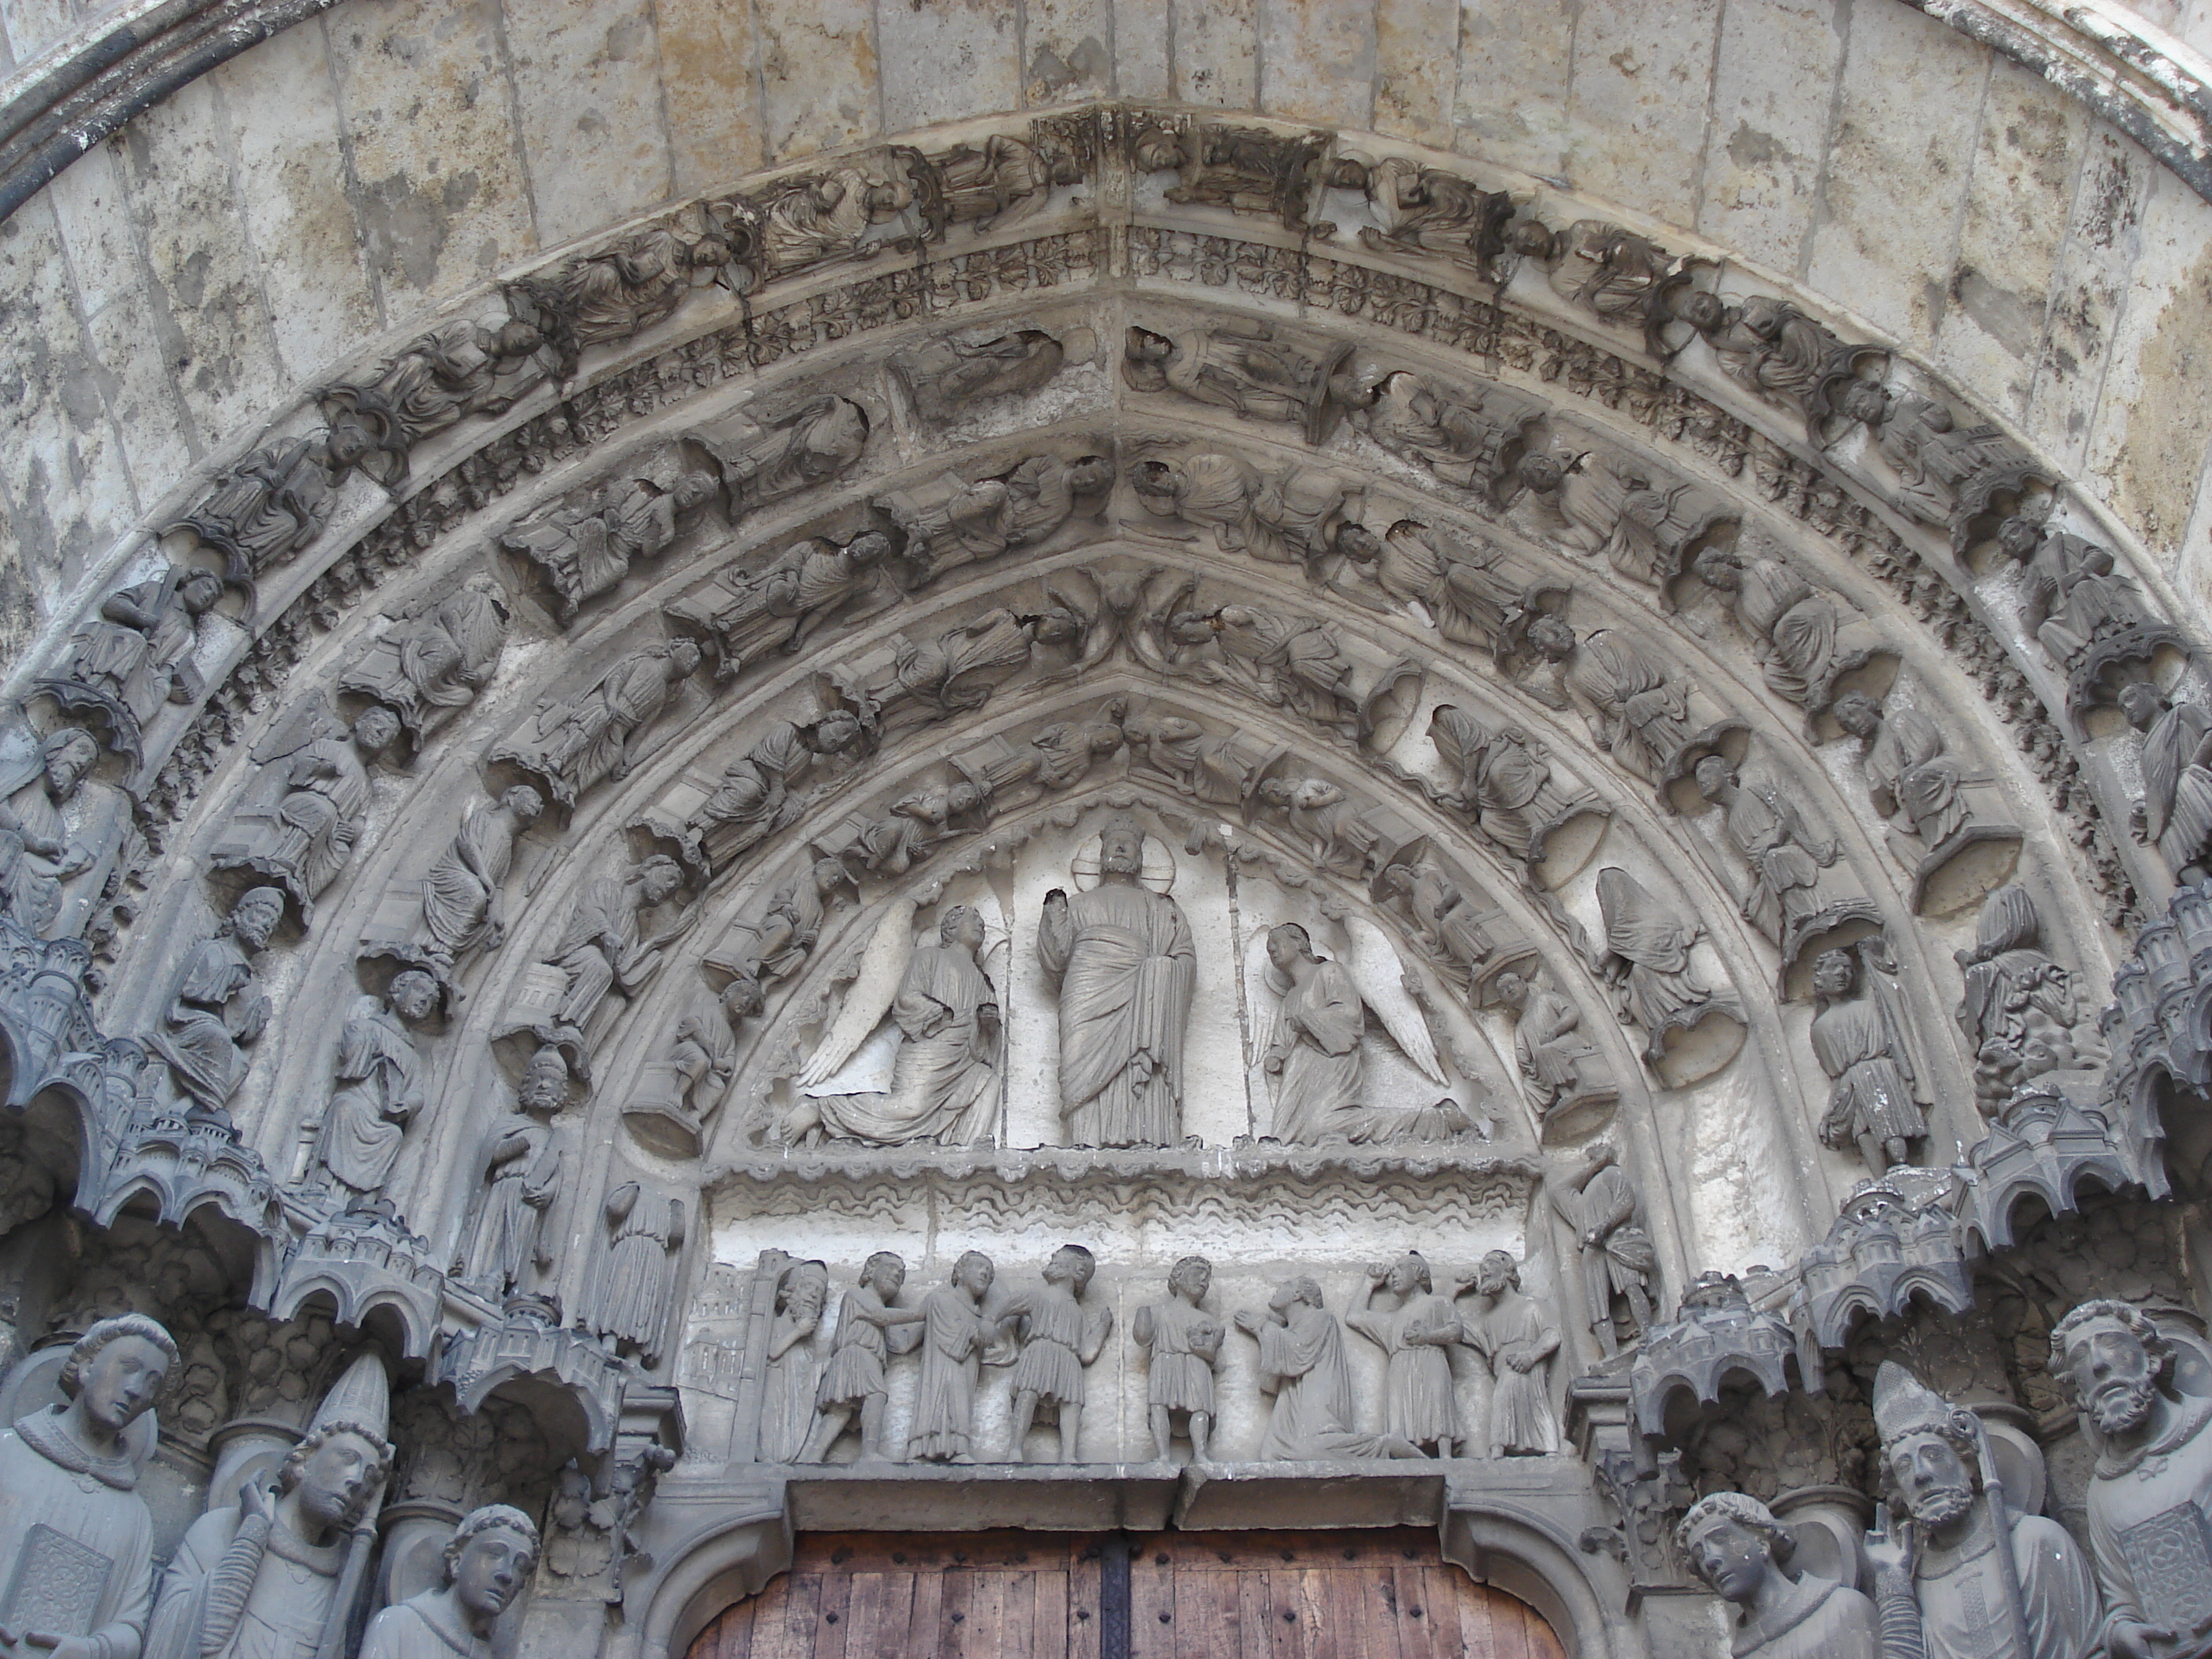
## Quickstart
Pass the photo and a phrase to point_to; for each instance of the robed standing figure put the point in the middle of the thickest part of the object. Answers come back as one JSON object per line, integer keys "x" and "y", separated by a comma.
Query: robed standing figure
{"x": 1127, "y": 971}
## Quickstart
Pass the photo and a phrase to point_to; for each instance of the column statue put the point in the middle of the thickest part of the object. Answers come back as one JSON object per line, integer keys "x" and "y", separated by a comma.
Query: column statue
{"x": 77, "y": 1537}
{"x": 2150, "y": 1497}
{"x": 261, "y": 1578}
{"x": 1958, "y": 1574}
{"x": 1735, "y": 1544}
{"x": 486, "y": 1565}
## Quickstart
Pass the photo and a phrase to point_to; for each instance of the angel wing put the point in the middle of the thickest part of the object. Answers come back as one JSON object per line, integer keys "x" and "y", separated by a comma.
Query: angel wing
{"x": 21, "y": 759}
{"x": 883, "y": 965}
{"x": 1375, "y": 968}
{"x": 310, "y": 721}
{"x": 1260, "y": 975}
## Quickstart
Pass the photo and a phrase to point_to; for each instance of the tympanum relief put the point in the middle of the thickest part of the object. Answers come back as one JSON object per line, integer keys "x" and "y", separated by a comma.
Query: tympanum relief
{"x": 883, "y": 944}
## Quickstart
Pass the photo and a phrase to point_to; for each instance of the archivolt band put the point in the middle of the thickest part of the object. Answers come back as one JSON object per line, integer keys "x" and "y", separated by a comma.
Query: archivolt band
{"x": 1116, "y": 823}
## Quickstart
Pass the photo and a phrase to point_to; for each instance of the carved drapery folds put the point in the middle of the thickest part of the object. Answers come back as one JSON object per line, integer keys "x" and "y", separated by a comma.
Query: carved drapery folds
{"x": 1272, "y": 610}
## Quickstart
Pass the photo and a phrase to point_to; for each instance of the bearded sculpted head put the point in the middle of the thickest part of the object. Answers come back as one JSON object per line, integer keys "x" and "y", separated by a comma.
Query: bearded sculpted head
{"x": 1121, "y": 847}
{"x": 545, "y": 1085}
{"x": 2112, "y": 1359}
{"x": 1930, "y": 1450}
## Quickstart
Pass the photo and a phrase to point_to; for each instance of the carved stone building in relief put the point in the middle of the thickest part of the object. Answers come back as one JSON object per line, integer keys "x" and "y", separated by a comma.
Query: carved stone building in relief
{"x": 783, "y": 780}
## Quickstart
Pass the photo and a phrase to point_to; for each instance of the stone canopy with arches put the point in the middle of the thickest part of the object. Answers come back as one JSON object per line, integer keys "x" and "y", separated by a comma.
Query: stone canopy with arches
{"x": 1260, "y": 824}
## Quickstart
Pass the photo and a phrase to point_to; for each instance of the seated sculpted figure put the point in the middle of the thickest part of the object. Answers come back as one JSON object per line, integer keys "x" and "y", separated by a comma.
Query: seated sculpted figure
{"x": 486, "y": 1565}
{"x": 77, "y": 1538}
{"x": 1735, "y": 1544}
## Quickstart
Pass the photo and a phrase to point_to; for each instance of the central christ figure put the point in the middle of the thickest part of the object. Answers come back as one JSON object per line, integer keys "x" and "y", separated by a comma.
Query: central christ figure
{"x": 1122, "y": 957}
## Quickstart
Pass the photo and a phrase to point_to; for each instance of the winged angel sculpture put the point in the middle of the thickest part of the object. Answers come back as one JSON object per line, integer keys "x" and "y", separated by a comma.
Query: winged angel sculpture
{"x": 914, "y": 1052}
{"x": 1310, "y": 1043}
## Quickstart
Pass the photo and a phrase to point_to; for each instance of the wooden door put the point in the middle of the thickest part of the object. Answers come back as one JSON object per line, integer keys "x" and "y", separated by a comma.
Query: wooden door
{"x": 1359, "y": 1594}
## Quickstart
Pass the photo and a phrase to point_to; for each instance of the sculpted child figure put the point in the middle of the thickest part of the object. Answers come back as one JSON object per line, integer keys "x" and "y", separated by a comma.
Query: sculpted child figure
{"x": 1058, "y": 1340}
{"x": 954, "y": 1337}
{"x": 870, "y": 1328}
{"x": 75, "y": 1538}
{"x": 486, "y": 1565}
{"x": 1185, "y": 1343}
{"x": 1417, "y": 1334}
{"x": 1737, "y": 1545}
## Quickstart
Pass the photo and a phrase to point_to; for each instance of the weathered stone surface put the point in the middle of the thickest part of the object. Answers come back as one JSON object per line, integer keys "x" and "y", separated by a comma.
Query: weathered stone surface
{"x": 180, "y": 181}
{"x": 1904, "y": 127}
{"x": 1642, "y": 78}
{"x": 2027, "y": 157}
{"x": 1511, "y": 104}
{"x": 954, "y": 58}
{"x": 439, "y": 191}
{"x": 63, "y": 467}
{"x": 1760, "y": 191}
{"x": 709, "y": 92}
{"x": 1140, "y": 48}
{"x": 818, "y": 68}
{"x": 1069, "y": 50}
{"x": 2148, "y": 464}
{"x": 1216, "y": 55}
{"x": 1414, "y": 78}
{"x": 291, "y": 170}
{"x": 588, "y": 101}
{"x": 1318, "y": 64}
{"x": 34, "y": 25}
{"x": 2088, "y": 291}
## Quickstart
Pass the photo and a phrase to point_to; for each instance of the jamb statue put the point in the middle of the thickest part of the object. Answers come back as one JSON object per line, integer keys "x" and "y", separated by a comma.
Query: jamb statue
{"x": 485, "y": 1566}
{"x": 1735, "y": 1544}
{"x": 261, "y": 1579}
{"x": 2151, "y": 1493}
{"x": 1959, "y": 1574}
{"x": 77, "y": 1538}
